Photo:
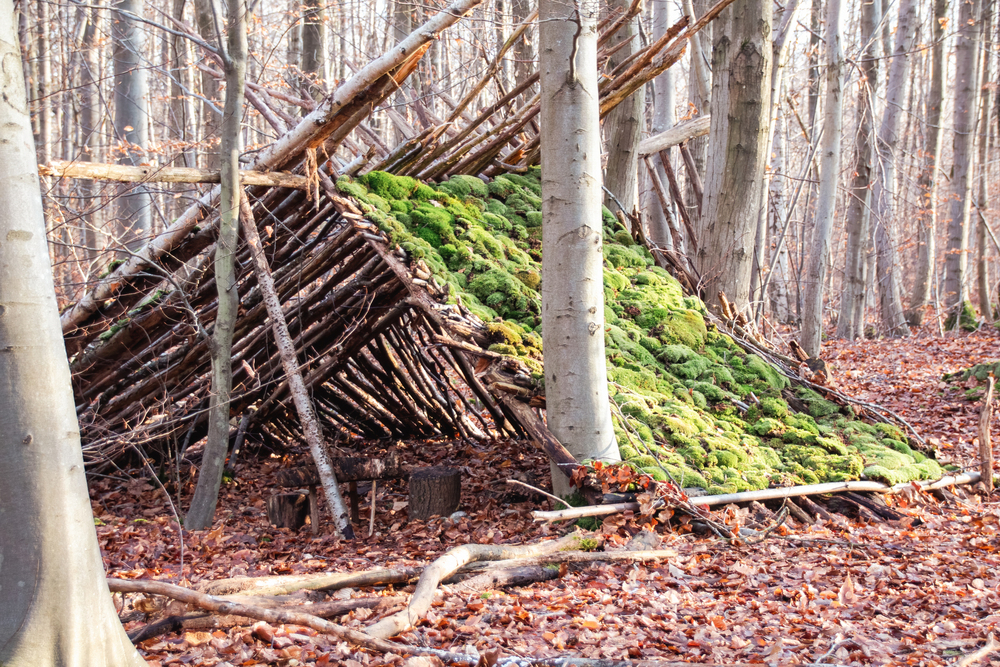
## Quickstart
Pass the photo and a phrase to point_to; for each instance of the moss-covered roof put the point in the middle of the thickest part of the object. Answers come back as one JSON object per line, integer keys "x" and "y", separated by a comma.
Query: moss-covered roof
{"x": 675, "y": 383}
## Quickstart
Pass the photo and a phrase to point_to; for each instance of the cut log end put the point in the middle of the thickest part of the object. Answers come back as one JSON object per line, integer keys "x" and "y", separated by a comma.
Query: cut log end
{"x": 434, "y": 492}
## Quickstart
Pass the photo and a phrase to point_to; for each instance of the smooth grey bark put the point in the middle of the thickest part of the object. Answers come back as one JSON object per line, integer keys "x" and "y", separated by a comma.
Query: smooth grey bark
{"x": 819, "y": 255}
{"x": 576, "y": 382}
{"x": 181, "y": 111}
{"x": 43, "y": 141}
{"x": 56, "y": 606}
{"x": 699, "y": 94}
{"x": 90, "y": 122}
{"x": 624, "y": 125}
{"x": 740, "y": 111}
{"x": 314, "y": 62}
{"x": 210, "y": 87}
{"x": 927, "y": 181}
{"x": 850, "y": 320}
{"x": 213, "y": 461}
{"x": 134, "y": 208}
{"x": 889, "y": 281}
{"x": 982, "y": 176}
{"x": 524, "y": 49}
{"x": 778, "y": 294}
{"x": 658, "y": 230}
{"x": 966, "y": 110}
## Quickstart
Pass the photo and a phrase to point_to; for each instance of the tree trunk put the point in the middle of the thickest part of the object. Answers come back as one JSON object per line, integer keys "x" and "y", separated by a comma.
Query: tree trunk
{"x": 780, "y": 299}
{"x": 699, "y": 95}
{"x": 966, "y": 111}
{"x": 209, "y": 87}
{"x": 819, "y": 256}
{"x": 850, "y": 321}
{"x": 982, "y": 204}
{"x": 180, "y": 105}
{"x": 524, "y": 48}
{"x": 576, "y": 381}
{"x": 56, "y": 606}
{"x": 314, "y": 64}
{"x": 134, "y": 206}
{"x": 658, "y": 230}
{"x": 623, "y": 127}
{"x": 927, "y": 181}
{"x": 434, "y": 491}
{"x": 213, "y": 461}
{"x": 90, "y": 125}
{"x": 741, "y": 63}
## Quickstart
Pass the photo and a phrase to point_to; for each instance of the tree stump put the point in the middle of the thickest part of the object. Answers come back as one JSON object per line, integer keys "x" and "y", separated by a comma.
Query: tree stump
{"x": 434, "y": 491}
{"x": 288, "y": 510}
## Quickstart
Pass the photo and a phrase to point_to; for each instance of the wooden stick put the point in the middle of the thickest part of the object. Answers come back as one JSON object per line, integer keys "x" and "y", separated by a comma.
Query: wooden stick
{"x": 985, "y": 445}
{"x": 96, "y": 171}
{"x": 447, "y": 565}
{"x": 678, "y": 134}
{"x": 303, "y": 405}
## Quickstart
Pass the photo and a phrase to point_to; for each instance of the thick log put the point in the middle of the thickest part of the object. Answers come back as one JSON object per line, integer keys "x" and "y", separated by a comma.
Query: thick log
{"x": 97, "y": 171}
{"x": 287, "y": 510}
{"x": 434, "y": 492}
{"x": 348, "y": 469}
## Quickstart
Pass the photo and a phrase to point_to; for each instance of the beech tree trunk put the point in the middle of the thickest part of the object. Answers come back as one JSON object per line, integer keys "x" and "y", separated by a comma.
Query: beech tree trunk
{"x": 213, "y": 461}
{"x": 780, "y": 298}
{"x": 624, "y": 126}
{"x": 850, "y": 320}
{"x": 56, "y": 606}
{"x": 927, "y": 181}
{"x": 740, "y": 110}
{"x": 699, "y": 95}
{"x": 819, "y": 256}
{"x": 663, "y": 119}
{"x": 883, "y": 188}
{"x": 209, "y": 87}
{"x": 985, "y": 133}
{"x": 576, "y": 381}
{"x": 134, "y": 205}
{"x": 966, "y": 110}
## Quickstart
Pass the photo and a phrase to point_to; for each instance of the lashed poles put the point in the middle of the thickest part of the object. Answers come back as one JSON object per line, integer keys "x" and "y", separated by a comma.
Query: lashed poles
{"x": 290, "y": 362}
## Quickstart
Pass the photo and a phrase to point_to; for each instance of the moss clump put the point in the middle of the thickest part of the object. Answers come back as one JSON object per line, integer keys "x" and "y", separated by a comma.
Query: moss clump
{"x": 673, "y": 381}
{"x": 965, "y": 318}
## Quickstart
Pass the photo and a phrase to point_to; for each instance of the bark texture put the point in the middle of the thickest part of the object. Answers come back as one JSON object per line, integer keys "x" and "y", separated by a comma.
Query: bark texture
{"x": 623, "y": 127}
{"x": 56, "y": 606}
{"x": 741, "y": 86}
{"x": 576, "y": 387}
{"x": 927, "y": 183}
{"x": 819, "y": 257}
{"x": 213, "y": 461}
{"x": 966, "y": 111}
{"x": 850, "y": 320}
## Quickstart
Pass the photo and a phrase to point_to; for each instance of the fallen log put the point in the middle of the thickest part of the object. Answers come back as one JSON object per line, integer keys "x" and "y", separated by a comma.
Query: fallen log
{"x": 284, "y": 585}
{"x": 447, "y": 565}
{"x": 765, "y": 494}
{"x": 678, "y": 134}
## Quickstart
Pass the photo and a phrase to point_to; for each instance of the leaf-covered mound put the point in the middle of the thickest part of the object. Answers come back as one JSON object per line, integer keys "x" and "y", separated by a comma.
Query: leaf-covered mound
{"x": 676, "y": 384}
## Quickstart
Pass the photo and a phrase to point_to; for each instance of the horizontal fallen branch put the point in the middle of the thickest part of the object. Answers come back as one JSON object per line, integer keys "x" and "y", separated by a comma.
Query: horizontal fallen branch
{"x": 765, "y": 494}
{"x": 98, "y": 171}
{"x": 678, "y": 134}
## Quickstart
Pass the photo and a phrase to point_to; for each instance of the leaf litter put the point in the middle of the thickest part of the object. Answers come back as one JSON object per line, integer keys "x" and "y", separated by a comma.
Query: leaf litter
{"x": 922, "y": 590}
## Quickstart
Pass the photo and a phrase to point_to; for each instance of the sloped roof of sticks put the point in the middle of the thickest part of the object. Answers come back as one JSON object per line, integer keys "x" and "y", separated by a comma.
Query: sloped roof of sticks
{"x": 380, "y": 351}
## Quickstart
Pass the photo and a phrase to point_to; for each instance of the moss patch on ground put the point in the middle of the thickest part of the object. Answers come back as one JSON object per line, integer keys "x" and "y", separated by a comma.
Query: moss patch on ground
{"x": 674, "y": 381}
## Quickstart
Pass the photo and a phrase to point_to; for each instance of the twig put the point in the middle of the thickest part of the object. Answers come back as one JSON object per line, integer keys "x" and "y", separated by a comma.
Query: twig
{"x": 537, "y": 490}
{"x": 371, "y": 521}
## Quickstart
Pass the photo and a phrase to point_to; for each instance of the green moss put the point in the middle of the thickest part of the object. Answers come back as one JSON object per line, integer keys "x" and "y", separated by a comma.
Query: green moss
{"x": 966, "y": 319}
{"x": 673, "y": 380}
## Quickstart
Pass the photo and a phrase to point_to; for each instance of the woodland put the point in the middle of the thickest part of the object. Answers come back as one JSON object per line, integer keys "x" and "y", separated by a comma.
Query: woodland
{"x": 275, "y": 277}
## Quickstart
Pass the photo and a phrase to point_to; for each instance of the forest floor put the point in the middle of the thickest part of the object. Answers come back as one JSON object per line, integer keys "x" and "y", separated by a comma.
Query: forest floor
{"x": 924, "y": 590}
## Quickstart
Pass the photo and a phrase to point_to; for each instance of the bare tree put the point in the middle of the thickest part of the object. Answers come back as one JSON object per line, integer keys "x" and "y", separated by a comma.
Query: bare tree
{"x": 234, "y": 56}
{"x": 663, "y": 119}
{"x": 850, "y": 320}
{"x": 819, "y": 256}
{"x": 624, "y": 125}
{"x": 741, "y": 85}
{"x": 927, "y": 181}
{"x": 966, "y": 111}
{"x": 576, "y": 382}
{"x": 56, "y": 606}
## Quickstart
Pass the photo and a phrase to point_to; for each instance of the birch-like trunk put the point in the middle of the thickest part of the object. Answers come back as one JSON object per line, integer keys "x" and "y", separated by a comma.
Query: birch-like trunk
{"x": 90, "y": 125}
{"x": 966, "y": 110}
{"x": 851, "y": 319}
{"x": 213, "y": 462}
{"x": 927, "y": 181}
{"x": 624, "y": 126}
{"x": 296, "y": 386}
{"x": 576, "y": 381}
{"x": 134, "y": 205}
{"x": 982, "y": 199}
{"x": 888, "y": 281}
{"x": 56, "y": 606}
{"x": 740, "y": 111}
{"x": 819, "y": 256}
